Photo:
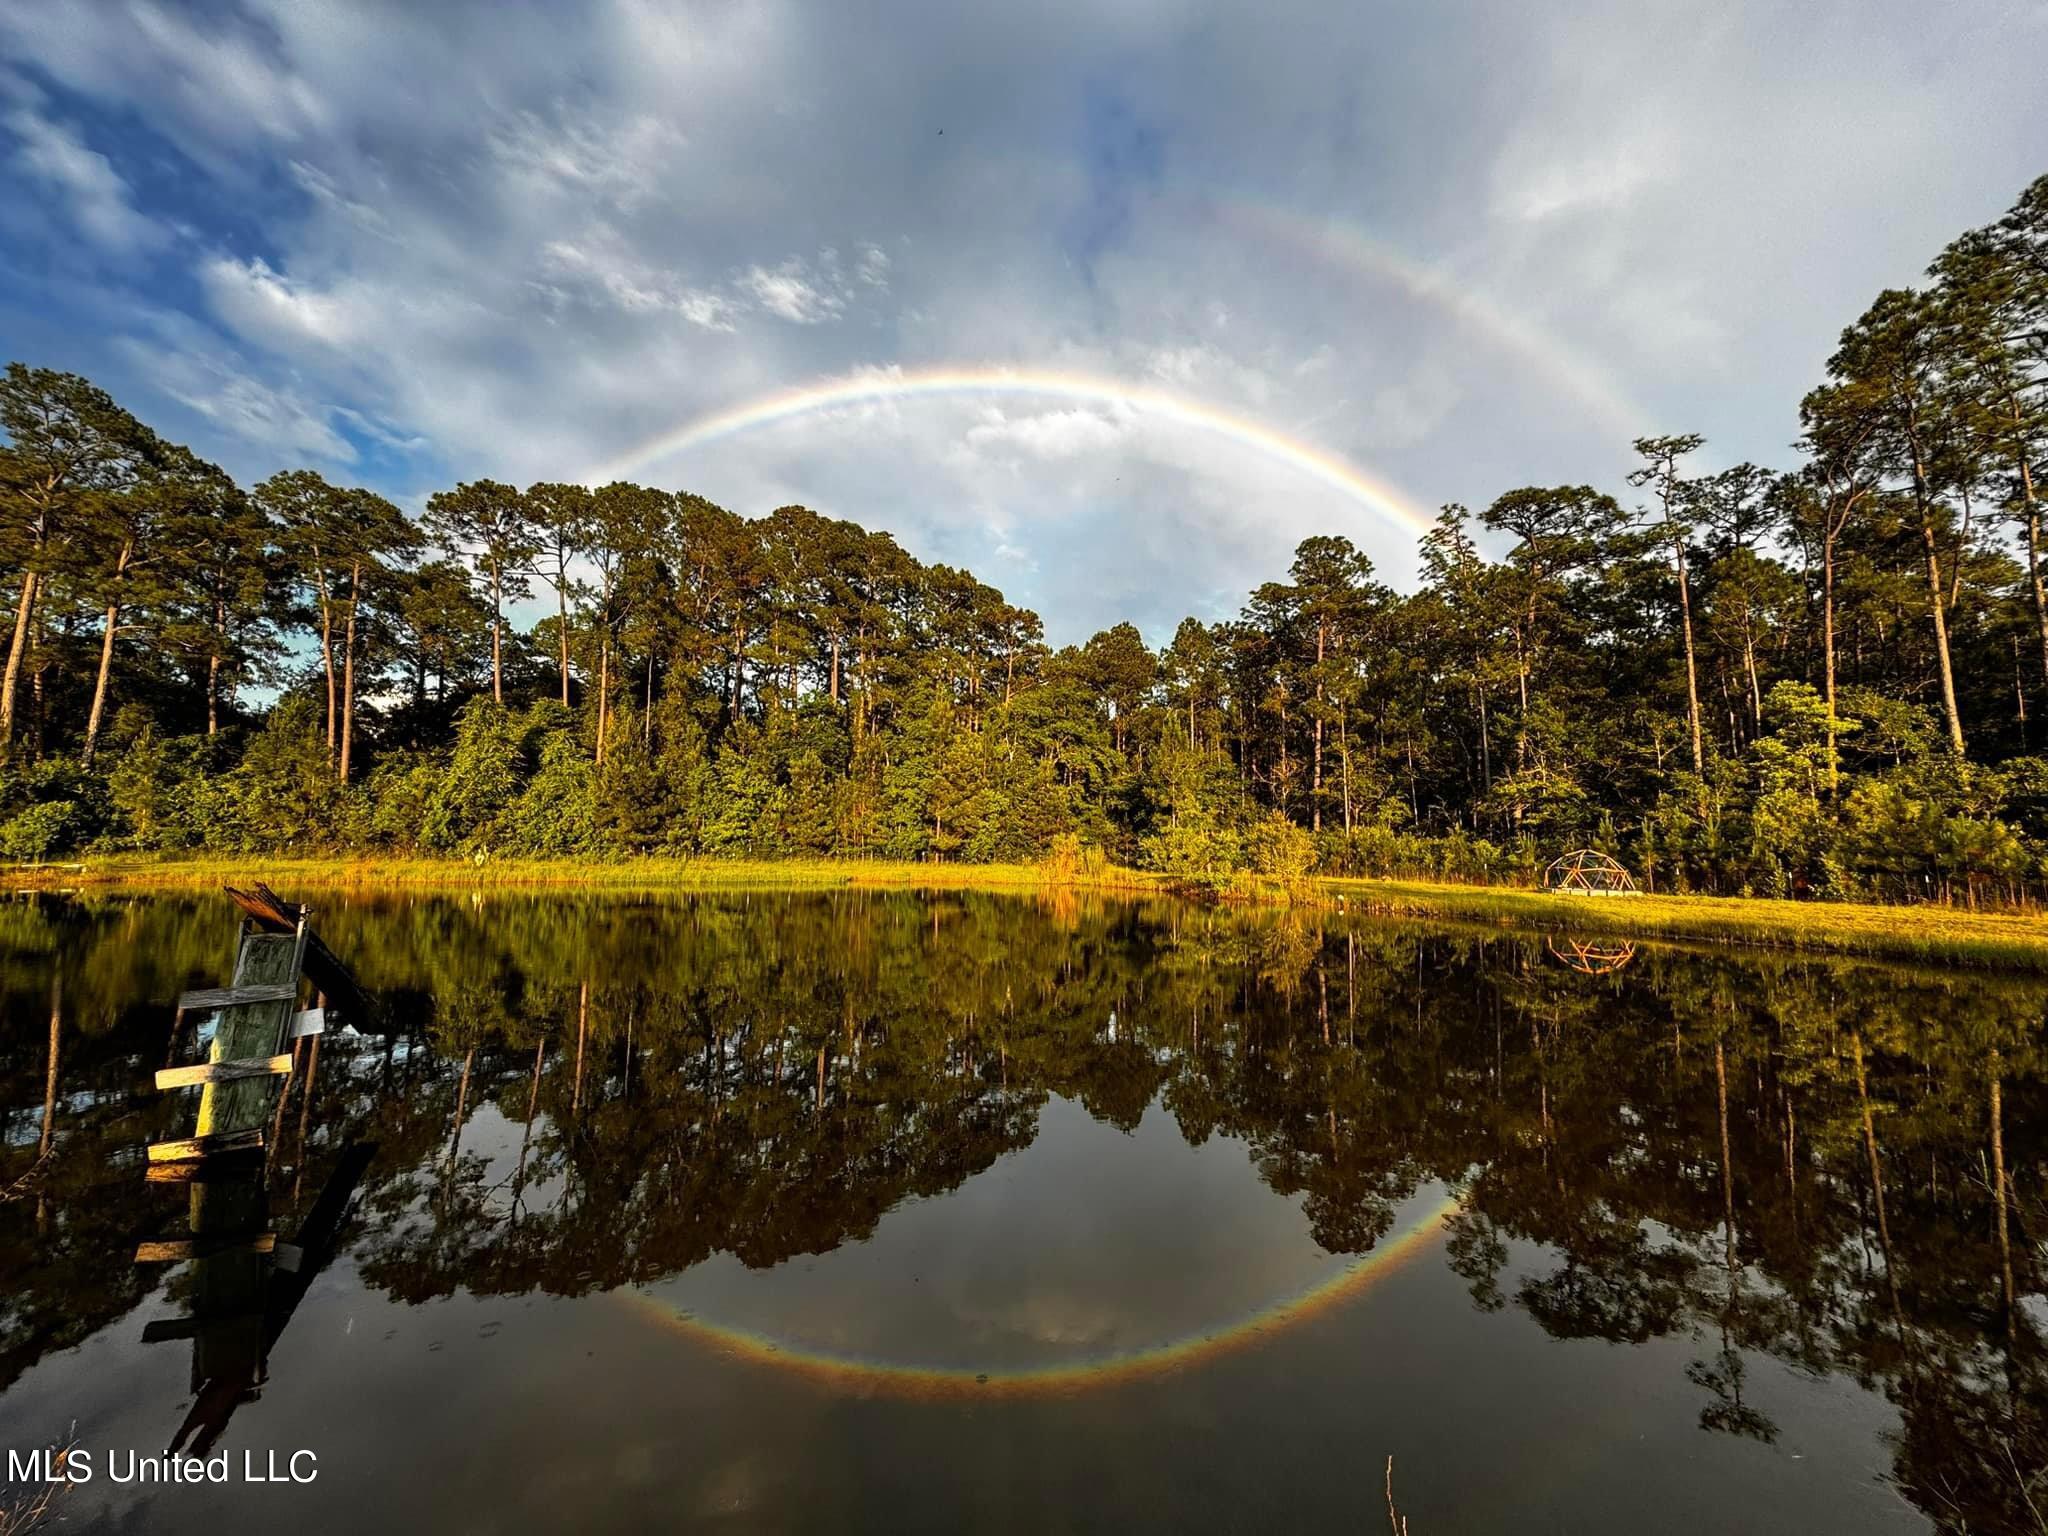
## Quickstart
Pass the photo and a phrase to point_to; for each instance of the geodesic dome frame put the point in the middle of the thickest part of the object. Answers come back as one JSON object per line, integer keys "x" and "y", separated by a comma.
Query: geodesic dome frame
{"x": 1588, "y": 872}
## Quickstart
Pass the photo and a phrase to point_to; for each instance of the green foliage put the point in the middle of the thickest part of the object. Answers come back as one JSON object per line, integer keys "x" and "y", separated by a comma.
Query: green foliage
{"x": 1826, "y": 682}
{"x": 283, "y": 793}
{"x": 556, "y": 814}
{"x": 1070, "y": 861}
{"x": 45, "y": 828}
{"x": 479, "y": 785}
{"x": 1198, "y": 833}
{"x": 401, "y": 793}
{"x": 747, "y": 802}
{"x": 1275, "y": 846}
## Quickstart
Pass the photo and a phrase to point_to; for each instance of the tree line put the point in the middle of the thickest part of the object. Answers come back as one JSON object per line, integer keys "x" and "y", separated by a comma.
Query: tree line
{"x": 1823, "y": 679}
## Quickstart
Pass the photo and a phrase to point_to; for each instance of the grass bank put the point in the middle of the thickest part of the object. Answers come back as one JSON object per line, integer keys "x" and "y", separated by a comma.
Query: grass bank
{"x": 1941, "y": 935}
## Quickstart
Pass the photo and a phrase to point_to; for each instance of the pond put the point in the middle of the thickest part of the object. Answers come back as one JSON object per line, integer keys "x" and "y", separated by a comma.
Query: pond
{"x": 862, "y": 1211}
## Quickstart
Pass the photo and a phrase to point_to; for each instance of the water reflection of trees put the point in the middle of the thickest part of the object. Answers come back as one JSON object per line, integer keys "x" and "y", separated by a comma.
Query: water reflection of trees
{"x": 1837, "y": 1165}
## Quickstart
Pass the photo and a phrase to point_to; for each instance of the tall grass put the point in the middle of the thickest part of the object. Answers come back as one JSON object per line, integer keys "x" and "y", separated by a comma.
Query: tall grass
{"x": 1937, "y": 934}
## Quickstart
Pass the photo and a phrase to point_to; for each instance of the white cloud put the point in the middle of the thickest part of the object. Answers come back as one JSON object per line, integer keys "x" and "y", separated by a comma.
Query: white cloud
{"x": 532, "y": 237}
{"x": 792, "y": 291}
{"x": 571, "y": 154}
{"x": 269, "y": 307}
{"x": 873, "y": 266}
{"x": 227, "y": 74}
{"x": 1606, "y": 177}
{"x": 324, "y": 189}
{"x": 276, "y": 419}
{"x": 1063, "y": 434}
{"x": 603, "y": 271}
{"x": 207, "y": 83}
{"x": 99, "y": 201}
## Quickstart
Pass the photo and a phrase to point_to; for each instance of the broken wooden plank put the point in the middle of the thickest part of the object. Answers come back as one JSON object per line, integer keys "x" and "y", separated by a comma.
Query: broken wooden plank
{"x": 164, "y": 1329}
{"x": 186, "y": 1148}
{"x": 323, "y": 967}
{"x": 224, "y": 1071}
{"x": 173, "y": 1250}
{"x": 221, "y": 1168}
{"x": 211, "y": 999}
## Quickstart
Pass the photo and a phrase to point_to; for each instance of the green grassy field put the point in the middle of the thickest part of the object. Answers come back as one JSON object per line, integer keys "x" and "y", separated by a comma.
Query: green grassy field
{"x": 1927, "y": 933}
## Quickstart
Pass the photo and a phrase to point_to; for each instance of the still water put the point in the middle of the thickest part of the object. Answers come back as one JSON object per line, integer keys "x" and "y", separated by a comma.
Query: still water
{"x": 879, "y": 1212}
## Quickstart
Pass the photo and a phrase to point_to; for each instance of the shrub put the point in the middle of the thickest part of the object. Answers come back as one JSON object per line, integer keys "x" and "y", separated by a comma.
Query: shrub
{"x": 1279, "y": 848}
{"x": 50, "y": 826}
{"x": 1070, "y": 861}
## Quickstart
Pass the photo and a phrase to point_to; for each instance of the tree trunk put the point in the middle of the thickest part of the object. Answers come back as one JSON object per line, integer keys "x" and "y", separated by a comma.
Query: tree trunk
{"x": 326, "y": 598}
{"x": 49, "y": 1127}
{"x": 562, "y": 603}
{"x": 1485, "y": 739}
{"x": 497, "y": 630}
{"x": 835, "y": 672}
{"x": 2034, "y": 578}
{"x": 1938, "y": 609}
{"x": 348, "y": 667}
{"x": 1923, "y": 504}
{"x": 1522, "y": 685}
{"x": 1998, "y": 1187}
{"x": 2019, "y": 691}
{"x": 99, "y": 688}
{"x": 1344, "y": 757}
{"x": 1692, "y": 676}
{"x": 1756, "y": 691}
{"x": 1955, "y": 571}
{"x": 582, "y": 1033}
{"x": 41, "y": 720}
{"x": 604, "y": 687}
{"x": 1281, "y": 797}
{"x": 17, "y": 651}
{"x": 1884, "y": 1231}
{"x": 1316, "y": 794}
{"x": 1827, "y": 646}
{"x": 213, "y": 661}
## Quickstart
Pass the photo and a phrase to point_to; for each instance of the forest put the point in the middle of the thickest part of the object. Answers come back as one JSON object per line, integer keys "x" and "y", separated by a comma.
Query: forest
{"x": 1822, "y": 679}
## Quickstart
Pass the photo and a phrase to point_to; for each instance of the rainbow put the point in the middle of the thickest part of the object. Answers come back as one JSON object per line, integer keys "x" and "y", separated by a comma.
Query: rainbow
{"x": 1348, "y": 247}
{"x": 871, "y": 1378}
{"x": 880, "y": 385}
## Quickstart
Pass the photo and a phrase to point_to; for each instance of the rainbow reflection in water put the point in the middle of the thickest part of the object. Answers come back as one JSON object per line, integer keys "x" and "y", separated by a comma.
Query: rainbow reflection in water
{"x": 882, "y": 1378}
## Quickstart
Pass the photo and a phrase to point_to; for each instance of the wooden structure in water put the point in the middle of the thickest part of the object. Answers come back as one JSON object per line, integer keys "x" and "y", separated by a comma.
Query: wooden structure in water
{"x": 246, "y": 1283}
{"x": 257, "y": 1025}
{"x": 1595, "y": 957}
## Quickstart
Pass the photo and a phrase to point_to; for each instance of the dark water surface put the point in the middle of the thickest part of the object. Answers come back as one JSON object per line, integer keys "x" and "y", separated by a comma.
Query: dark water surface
{"x": 900, "y": 1213}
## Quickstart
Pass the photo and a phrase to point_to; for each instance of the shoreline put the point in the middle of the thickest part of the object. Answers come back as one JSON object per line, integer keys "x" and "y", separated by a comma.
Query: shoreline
{"x": 1942, "y": 935}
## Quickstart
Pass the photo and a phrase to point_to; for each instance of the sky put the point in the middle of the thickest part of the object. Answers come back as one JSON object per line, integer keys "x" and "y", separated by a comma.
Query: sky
{"x": 1111, "y": 303}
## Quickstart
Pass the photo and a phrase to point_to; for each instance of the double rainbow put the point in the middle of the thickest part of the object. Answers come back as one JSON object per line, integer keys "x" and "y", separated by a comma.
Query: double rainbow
{"x": 881, "y": 1378}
